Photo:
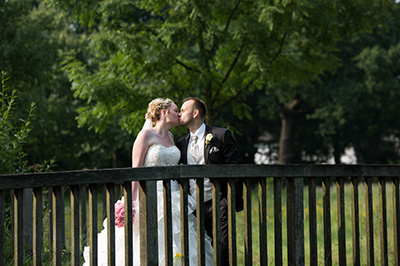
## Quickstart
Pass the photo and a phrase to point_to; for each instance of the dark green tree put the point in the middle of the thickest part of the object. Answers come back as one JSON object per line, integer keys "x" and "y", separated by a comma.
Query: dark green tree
{"x": 357, "y": 107}
{"x": 220, "y": 51}
{"x": 33, "y": 40}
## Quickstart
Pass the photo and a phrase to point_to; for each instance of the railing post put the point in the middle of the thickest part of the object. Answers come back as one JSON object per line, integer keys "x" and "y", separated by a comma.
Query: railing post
{"x": 128, "y": 223}
{"x": 2, "y": 226}
{"x": 295, "y": 222}
{"x": 278, "y": 220}
{"x": 248, "y": 239}
{"x": 341, "y": 220}
{"x": 232, "y": 221}
{"x": 58, "y": 211}
{"x": 37, "y": 226}
{"x": 83, "y": 224}
{"x": 200, "y": 221}
{"x": 355, "y": 221}
{"x": 184, "y": 188}
{"x": 370, "y": 221}
{"x": 312, "y": 210}
{"x": 262, "y": 203}
{"x": 167, "y": 222}
{"x": 75, "y": 251}
{"x": 18, "y": 227}
{"x": 326, "y": 186}
{"x": 110, "y": 224}
{"x": 93, "y": 224}
{"x": 148, "y": 223}
{"x": 28, "y": 218}
{"x": 383, "y": 221}
{"x": 396, "y": 219}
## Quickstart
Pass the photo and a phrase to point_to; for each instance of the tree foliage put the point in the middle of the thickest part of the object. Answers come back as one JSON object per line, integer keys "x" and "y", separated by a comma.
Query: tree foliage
{"x": 221, "y": 51}
{"x": 33, "y": 41}
{"x": 358, "y": 105}
{"x": 13, "y": 134}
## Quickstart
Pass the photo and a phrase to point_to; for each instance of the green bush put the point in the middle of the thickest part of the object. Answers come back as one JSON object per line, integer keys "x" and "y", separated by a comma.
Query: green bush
{"x": 13, "y": 133}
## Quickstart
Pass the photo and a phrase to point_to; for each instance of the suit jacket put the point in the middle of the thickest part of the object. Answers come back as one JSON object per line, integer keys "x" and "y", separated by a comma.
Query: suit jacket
{"x": 223, "y": 151}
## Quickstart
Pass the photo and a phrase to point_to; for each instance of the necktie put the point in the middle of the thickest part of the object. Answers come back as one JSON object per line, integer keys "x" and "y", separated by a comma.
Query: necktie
{"x": 194, "y": 149}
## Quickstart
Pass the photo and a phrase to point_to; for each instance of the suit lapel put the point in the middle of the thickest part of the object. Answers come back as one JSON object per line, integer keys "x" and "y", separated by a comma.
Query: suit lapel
{"x": 207, "y": 147}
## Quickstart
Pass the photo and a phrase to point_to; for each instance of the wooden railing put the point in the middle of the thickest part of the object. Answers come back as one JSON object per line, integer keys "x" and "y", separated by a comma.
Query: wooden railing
{"x": 290, "y": 178}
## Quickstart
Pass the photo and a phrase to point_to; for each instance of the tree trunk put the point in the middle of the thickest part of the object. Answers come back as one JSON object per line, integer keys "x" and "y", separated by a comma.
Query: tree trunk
{"x": 286, "y": 153}
{"x": 336, "y": 150}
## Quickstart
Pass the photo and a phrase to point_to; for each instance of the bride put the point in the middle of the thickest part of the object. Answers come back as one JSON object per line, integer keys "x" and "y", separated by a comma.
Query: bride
{"x": 154, "y": 146}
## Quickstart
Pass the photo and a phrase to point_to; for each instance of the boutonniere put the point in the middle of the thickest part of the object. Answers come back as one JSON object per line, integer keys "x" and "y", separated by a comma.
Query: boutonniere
{"x": 209, "y": 137}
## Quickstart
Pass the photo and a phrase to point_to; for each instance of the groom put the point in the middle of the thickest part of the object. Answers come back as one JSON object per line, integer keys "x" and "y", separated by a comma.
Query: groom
{"x": 208, "y": 145}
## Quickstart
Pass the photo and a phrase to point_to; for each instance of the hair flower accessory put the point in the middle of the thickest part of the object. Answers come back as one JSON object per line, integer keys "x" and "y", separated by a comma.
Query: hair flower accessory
{"x": 120, "y": 214}
{"x": 209, "y": 137}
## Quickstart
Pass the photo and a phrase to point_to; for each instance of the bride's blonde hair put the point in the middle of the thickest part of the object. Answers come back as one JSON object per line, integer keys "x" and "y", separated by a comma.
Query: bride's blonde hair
{"x": 155, "y": 108}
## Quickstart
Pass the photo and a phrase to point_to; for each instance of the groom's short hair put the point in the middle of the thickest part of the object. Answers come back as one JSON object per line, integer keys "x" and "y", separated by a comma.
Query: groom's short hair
{"x": 199, "y": 105}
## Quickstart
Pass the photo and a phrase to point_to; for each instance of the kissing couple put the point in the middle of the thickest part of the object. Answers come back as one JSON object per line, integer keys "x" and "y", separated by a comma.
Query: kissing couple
{"x": 154, "y": 146}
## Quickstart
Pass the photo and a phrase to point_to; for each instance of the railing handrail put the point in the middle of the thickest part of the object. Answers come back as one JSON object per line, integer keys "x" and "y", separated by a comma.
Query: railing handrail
{"x": 121, "y": 175}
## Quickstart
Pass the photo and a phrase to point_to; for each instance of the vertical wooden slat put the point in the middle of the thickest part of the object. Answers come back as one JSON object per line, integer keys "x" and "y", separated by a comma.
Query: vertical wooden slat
{"x": 184, "y": 188}
{"x": 232, "y": 221}
{"x": 396, "y": 219}
{"x": 262, "y": 203}
{"x": 37, "y": 226}
{"x": 295, "y": 224}
{"x": 57, "y": 225}
{"x": 2, "y": 226}
{"x": 248, "y": 248}
{"x": 167, "y": 223}
{"x": 75, "y": 249}
{"x": 28, "y": 220}
{"x": 148, "y": 226}
{"x": 103, "y": 188}
{"x": 110, "y": 196}
{"x": 341, "y": 220}
{"x": 62, "y": 218}
{"x": 50, "y": 198}
{"x": 200, "y": 222}
{"x": 383, "y": 221}
{"x": 216, "y": 189}
{"x": 12, "y": 195}
{"x": 355, "y": 221}
{"x": 278, "y": 220}
{"x": 93, "y": 224}
{"x": 128, "y": 223}
{"x": 312, "y": 207}
{"x": 370, "y": 220}
{"x": 18, "y": 227}
{"x": 83, "y": 201}
{"x": 327, "y": 221}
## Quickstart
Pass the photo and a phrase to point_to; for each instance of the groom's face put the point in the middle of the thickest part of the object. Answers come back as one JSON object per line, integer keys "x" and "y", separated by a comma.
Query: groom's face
{"x": 187, "y": 113}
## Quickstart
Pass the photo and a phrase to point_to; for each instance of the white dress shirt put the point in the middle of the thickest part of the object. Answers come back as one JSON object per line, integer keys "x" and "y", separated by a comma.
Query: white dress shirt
{"x": 200, "y": 133}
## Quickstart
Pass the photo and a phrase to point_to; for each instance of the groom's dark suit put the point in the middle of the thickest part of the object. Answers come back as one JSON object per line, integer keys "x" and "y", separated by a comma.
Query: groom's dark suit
{"x": 225, "y": 152}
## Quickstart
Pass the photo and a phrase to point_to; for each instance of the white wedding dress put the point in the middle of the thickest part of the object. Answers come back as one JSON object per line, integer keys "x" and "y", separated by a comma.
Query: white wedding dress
{"x": 157, "y": 155}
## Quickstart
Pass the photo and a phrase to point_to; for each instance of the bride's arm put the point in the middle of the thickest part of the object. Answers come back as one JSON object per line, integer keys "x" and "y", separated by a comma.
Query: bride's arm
{"x": 138, "y": 154}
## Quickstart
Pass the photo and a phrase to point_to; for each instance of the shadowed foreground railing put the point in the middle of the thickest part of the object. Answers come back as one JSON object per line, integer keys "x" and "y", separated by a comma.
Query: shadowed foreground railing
{"x": 290, "y": 177}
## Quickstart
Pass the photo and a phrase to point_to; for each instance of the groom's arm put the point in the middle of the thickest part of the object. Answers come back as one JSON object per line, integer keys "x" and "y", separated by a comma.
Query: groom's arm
{"x": 231, "y": 156}
{"x": 230, "y": 151}
{"x": 179, "y": 145}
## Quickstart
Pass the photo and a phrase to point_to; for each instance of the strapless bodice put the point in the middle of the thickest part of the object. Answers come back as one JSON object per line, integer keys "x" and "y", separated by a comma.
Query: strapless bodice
{"x": 158, "y": 155}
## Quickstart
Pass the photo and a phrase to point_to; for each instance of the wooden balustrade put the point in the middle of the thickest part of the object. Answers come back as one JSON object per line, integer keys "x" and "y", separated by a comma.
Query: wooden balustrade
{"x": 292, "y": 178}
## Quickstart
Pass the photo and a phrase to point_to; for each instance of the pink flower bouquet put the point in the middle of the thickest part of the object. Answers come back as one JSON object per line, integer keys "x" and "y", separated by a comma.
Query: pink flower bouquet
{"x": 120, "y": 214}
